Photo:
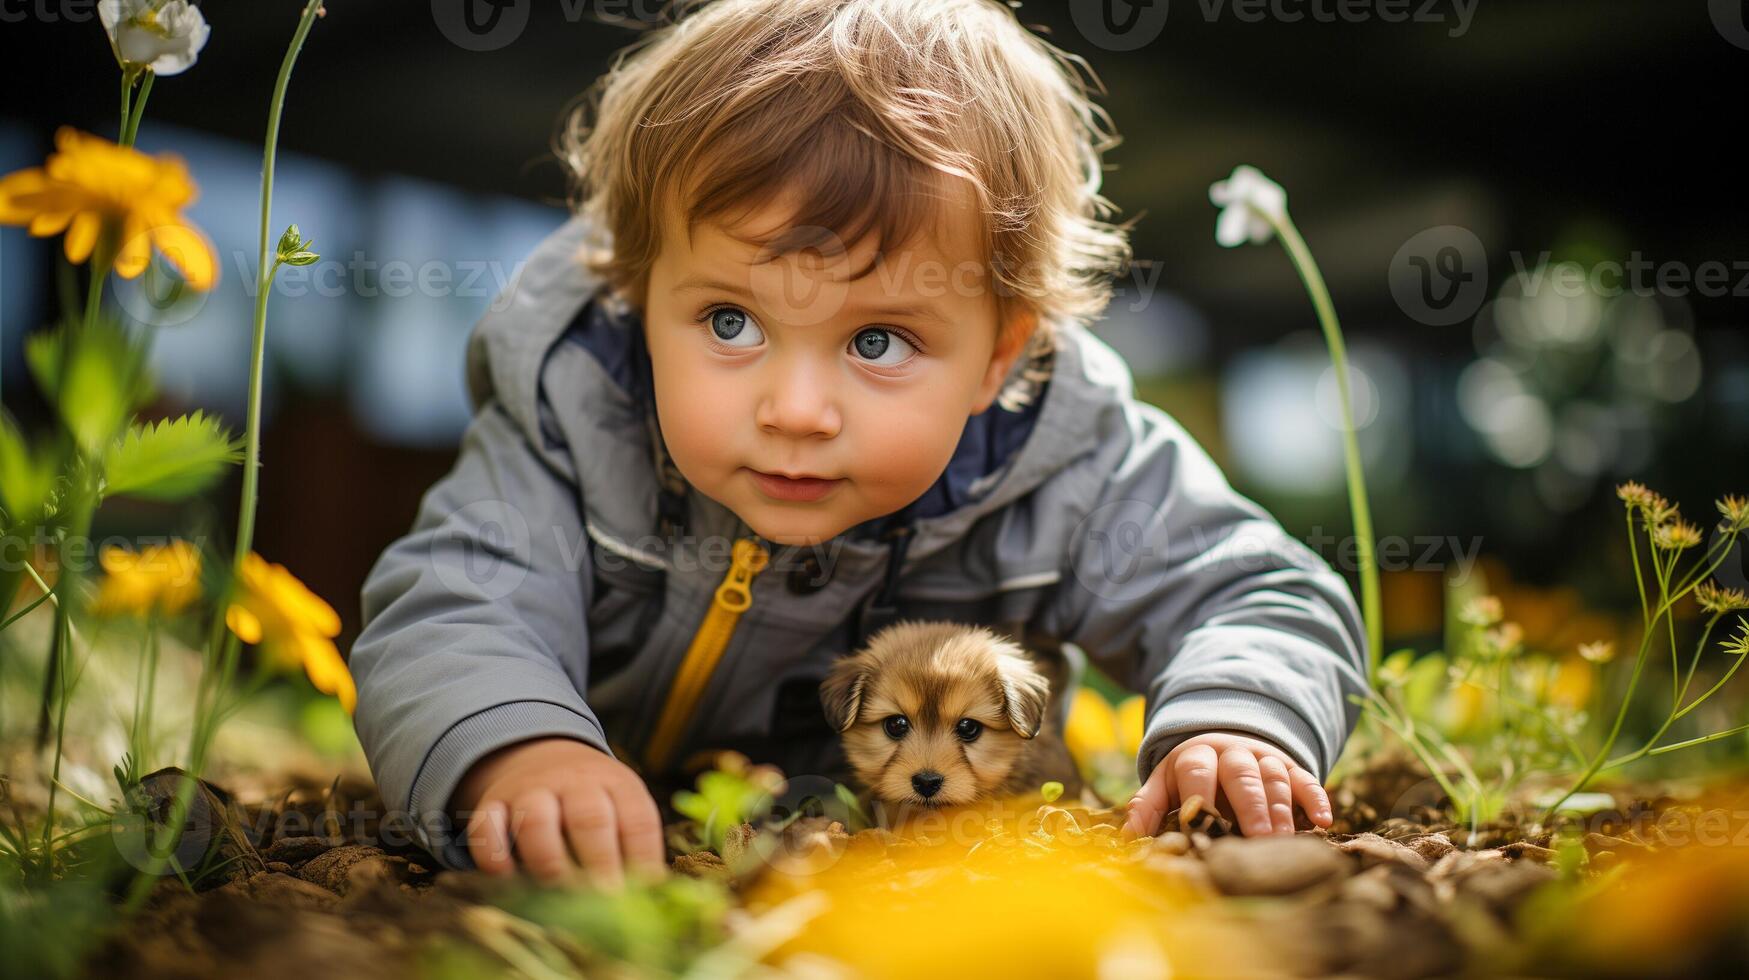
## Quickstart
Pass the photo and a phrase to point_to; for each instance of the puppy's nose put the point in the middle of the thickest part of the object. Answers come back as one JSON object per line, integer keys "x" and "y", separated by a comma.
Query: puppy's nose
{"x": 927, "y": 783}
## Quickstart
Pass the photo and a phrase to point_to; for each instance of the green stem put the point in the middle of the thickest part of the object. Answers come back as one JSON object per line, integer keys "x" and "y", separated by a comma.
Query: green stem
{"x": 152, "y": 651}
{"x": 133, "y": 121}
{"x": 1639, "y": 576}
{"x": 1357, "y": 498}
{"x": 15, "y": 617}
{"x": 1709, "y": 691}
{"x": 78, "y": 528}
{"x": 1694, "y": 662}
{"x": 1666, "y": 602}
{"x": 1714, "y": 737}
{"x": 127, "y": 112}
{"x": 201, "y": 739}
{"x": 1723, "y": 548}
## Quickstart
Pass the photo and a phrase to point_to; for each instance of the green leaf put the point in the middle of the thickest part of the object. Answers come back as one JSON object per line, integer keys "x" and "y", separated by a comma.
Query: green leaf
{"x": 1051, "y": 791}
{"x": 169, "y": 460}
{"x": 27, "y": 477}
{"x": 105, "y": 375}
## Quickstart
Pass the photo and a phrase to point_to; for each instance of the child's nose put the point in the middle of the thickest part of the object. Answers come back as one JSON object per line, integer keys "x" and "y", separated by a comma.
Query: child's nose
{"x": 800, "y": 401}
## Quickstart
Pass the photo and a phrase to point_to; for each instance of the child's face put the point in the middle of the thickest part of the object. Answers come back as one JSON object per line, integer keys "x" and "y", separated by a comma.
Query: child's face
{"x": 786, "y": 366}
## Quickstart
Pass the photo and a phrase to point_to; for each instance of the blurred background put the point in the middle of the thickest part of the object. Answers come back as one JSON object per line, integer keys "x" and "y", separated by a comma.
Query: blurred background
{"x": 1523, "y": 209}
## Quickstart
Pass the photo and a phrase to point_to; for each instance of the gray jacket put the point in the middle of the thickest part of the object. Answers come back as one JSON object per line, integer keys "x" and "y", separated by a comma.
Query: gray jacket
{"x": 535, "y": 596}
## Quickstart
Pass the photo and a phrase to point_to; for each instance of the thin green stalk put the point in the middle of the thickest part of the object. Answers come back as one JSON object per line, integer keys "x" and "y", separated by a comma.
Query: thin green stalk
{"x": 133, "y": 121}
{"x": 1714, "y": 737}
{"x": 152, "y": 652}
{"x": 1694, "y": 662}
{"x": 1357, "y": 499}
{"x": 252, "y": 454}
{"x": 1709, "y": 691}
{"x": 1666, "y": 602}
{"x": 15, "y": 617}
{"x": 1414, "y": 743}
{"x": 1639, "y": 576}
{"x": 127, "y": 112}
{"x": 78, "y": 528}
{"x": 102, "y": 257}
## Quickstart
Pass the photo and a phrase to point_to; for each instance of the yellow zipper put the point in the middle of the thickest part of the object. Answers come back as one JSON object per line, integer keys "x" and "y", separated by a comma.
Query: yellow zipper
{"x": 732, "y": 598}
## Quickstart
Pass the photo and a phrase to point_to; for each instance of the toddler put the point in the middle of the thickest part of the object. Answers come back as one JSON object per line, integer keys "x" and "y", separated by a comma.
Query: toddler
{"x": 811, "y": 355}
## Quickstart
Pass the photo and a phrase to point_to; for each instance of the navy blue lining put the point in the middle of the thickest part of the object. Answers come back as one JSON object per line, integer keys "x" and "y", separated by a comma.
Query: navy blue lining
{"x": 989, "y": 440}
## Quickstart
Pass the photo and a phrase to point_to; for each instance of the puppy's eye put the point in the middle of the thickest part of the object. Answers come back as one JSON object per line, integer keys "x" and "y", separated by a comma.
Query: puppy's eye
{"x": 968, "y": 729}
{"x": 897, "y": 726}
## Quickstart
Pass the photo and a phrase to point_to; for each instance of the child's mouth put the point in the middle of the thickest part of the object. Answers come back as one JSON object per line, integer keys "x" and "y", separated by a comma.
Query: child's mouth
{"x": 793, "y": 489}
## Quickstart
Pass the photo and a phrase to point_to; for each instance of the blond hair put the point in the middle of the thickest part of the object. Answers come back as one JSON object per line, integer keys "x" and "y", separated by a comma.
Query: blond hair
{"x": 853, "y": 105}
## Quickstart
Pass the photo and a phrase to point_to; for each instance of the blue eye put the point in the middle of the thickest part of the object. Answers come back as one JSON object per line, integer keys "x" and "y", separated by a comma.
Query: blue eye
{"x": 882, "y": 347}
{"x": 734, "y": 328}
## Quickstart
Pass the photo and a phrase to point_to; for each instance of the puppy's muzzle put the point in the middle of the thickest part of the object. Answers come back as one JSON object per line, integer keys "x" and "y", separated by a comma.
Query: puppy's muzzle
{"x": 927, "y": 783}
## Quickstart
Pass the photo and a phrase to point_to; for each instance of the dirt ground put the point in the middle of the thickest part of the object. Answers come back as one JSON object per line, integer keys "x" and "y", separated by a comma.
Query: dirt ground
{"x": 303, "y": 895}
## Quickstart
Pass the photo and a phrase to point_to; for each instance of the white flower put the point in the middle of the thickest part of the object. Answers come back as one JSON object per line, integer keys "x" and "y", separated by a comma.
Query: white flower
{"x": 1248, "y": 201}
{"x": 163, "y": 36}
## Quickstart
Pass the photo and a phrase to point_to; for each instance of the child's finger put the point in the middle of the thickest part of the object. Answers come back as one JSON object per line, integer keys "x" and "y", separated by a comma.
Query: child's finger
{"x": 489, "y": 838}
{"x": 593, "y": 828}
{"x": 534, "y": 830}
{"x": 1198, "y": 774}
{"x": 1278, "y": 792}
{"x": 1243, "y": 782}
{"x": 1313, "y": 799}
{"x": 640, "y": 827}
{"x": 1149, "y": 804}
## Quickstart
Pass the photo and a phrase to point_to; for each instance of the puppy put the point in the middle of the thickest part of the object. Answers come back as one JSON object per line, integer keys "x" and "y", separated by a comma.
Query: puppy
{"x": 943, "y": 714}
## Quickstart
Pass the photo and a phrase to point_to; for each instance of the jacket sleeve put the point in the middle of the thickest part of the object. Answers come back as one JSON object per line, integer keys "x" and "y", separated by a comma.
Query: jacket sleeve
{"x": 1192, "y": 593}
{"x": 474, "y": 630}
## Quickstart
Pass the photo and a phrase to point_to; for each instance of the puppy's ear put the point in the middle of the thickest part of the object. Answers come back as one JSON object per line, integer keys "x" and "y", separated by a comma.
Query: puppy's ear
{"x": 1025, "y": 693}
{"x": 841, "y": 692}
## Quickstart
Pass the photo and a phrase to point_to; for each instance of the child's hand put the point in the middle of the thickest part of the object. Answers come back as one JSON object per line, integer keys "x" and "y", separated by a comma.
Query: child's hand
{"x": 1260, "y": 780}
{"x": 547, "y": 793}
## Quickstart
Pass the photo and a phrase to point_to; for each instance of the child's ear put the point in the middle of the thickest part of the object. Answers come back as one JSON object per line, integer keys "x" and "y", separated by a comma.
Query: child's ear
{"x": 1011, "y": 340}
{"x": 841, "y": 692}
{"x": 1025, "y": 693}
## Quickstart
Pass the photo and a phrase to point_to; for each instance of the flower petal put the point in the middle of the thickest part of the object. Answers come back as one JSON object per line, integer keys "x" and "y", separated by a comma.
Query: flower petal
{"x": 82, "y": 236}
{"x": 14, "y": 188}
{"x": 243, "y": 623}
{"x": 191, "y": 254}
{"x": 136, "y": 249}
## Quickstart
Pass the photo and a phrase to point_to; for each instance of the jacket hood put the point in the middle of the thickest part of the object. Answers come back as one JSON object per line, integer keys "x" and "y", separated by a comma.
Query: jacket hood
{"x": 573, "y": 374}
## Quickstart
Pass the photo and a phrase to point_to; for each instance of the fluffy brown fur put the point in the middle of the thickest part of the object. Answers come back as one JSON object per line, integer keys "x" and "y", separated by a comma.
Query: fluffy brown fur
{"x": 946, "y": 681}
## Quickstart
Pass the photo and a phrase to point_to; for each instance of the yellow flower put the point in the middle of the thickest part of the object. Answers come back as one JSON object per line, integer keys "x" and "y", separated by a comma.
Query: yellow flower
{"x": 161, "y": 578}
{"x": 1482, "y": 611}
{"x": 89, "y": 184}
{"x": 1635, "y": 494}
{"x": 1505, "y": 639}
{"x": 292, "y": 625}
{"x": 1714, "y": 598}
{"x": 1735, "y": 510}
{"x": 1677, "y": 536}
{"x": 1092, "y": 727}
{"x": 1131, "y": 719}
